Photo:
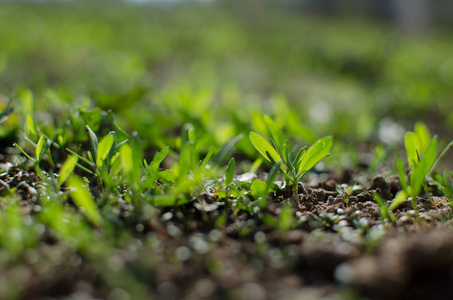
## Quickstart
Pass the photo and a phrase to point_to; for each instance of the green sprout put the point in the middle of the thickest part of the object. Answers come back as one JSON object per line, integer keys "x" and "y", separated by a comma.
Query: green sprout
{"x": 421, "y": 150}
{"x": 444, "y": 185}
{"x": 295, "y": 167}
{"x": 103, "y": 157}
{"x": 40, "y": 150}
{"x": 347, "y": 190}
{"x": 388, "y": 208}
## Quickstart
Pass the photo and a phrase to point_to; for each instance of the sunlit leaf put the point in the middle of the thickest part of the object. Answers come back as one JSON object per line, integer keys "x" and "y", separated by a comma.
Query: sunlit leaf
{"x": 421, "y": 170}
{"x": 319, "y": 150}
{"x": 412, "y": 148}
{"x": 104, "y": 147}
{"x": 423, "y": 135}
{"x": 264, "y": 147}
{"x": 41, "y": 147}
{"x": 229, "y": 174}
{"x": 83, "y": 199}
{"x": 67, "y": 168}
{"x": 93, "y": 142}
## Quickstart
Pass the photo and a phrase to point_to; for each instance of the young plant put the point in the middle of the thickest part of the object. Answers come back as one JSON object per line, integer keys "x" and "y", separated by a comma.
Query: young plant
{"x": 103, "y": 159}
{"x": 444, "y": 185}
{"x": 187, "y": 175}
{"x": 347, "y": 190}
{"x": 422, "y": 158}
{"x": 40, "y": 150}
{"x": 387, "y": 209}
{"x": 295, "y": 167}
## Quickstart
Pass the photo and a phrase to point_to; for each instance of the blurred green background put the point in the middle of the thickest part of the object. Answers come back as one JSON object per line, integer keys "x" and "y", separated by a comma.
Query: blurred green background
{"x": 355, "y": 70}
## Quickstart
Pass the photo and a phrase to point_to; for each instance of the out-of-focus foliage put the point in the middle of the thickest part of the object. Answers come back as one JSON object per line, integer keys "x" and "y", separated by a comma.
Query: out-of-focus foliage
{"x": 138, "y": 59}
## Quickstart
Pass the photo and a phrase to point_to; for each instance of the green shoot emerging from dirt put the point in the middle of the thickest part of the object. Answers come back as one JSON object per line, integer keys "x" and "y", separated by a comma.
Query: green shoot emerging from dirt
{"x": 422, "y": 158}
{"x": 444, "y": 184}
{"x": 292, "y": 168}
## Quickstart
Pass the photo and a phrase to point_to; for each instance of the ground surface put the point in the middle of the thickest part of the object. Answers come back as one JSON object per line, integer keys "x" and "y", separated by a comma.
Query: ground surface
{"x": 195, "y": 78}
{"x": 338, "y": 250}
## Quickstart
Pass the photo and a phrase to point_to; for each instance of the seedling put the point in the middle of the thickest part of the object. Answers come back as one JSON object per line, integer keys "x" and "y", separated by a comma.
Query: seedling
{"x": 40, "y": 150}
{"x": 278, "y": 152}
{"x": 103, "y": 158}
{"x": 347, "y": 190}
{"x": 83, "y": 199}
{"x": 444, "y": 184}
{"x": 387, "y": 209}
{"x": 422, "y": 158}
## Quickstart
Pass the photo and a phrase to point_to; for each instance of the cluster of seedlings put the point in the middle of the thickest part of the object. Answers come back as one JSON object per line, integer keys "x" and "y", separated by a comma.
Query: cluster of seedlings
{"x": 101, "y": 194}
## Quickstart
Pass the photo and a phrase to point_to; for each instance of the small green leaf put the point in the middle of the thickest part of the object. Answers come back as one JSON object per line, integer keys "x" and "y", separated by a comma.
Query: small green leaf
{"x": 67, "y": 168}
{"x": 30, "y": 129}
{"x": 24, "y": 153}
{"x": 285, "y": 154}
{"x": 423, "y": 135}
{"x": 319, "y": 150}
{"x": 186, "y": 160}
{"x": 229, "y": 174}
{"x": 41, "y": 148}
{"x": 83, "y": 199}
{"x": 263, "y": 147}
{"x": 258, "y": 188}
{"x": 207, "y": 158}
{"x": 127, "y": 161}
{"x": 412, "y": 148}
{"x": 93, "y": 142}
{"x": 420, "y": 172}
{"x": 399, "y": 199}
{"x": 275, "y": 133}
{"x": 300, "y": 155}
{"x": 186, "y": 136}
{"x": 112, "y": 148}
{"x": 168, "y": 176}
{"x": 383, "y": 205}
{"x": 160, "y": 156}
{"x": 104, "y": 147}
{"x": 191, "y": 134}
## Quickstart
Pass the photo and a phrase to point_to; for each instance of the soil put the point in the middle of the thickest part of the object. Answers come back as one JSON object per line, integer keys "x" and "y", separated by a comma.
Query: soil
{"x": 341, "y": 248}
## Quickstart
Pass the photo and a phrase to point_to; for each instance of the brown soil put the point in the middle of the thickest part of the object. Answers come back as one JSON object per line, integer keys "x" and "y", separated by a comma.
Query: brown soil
{"x": 339, "y": 246}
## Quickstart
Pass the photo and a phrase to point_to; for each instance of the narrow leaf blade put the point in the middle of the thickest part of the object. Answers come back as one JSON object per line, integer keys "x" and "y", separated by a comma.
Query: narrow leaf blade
{"x": 104, "y": 147}
{"x": 412, "y": 148}
{"x": 93, "y": 141}
{"x": 229, "y": 174}
{"x": 83, "y": 199}
{"x": 67, "y": 168}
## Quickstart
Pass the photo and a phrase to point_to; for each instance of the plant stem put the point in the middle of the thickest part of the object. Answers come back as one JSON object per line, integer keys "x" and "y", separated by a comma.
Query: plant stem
{"x": 415, "y": 206}
{"x": 425, "y": 187}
